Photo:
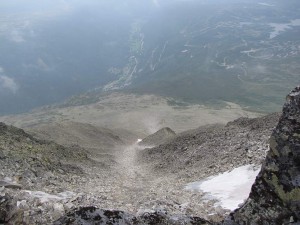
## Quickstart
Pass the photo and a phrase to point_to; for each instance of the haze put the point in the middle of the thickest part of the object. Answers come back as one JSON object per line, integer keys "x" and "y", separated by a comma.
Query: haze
{"x": 245, "y": 52}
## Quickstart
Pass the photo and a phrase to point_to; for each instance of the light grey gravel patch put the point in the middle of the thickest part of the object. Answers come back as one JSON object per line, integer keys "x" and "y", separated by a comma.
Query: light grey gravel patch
{"x": 12, "y": 185}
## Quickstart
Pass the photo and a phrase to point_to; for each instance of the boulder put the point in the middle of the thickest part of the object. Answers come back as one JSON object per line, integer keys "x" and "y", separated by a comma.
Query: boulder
{"x": 93, "y": 215}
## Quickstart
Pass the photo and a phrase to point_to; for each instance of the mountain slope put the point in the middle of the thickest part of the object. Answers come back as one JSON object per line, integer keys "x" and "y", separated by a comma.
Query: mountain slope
{"x": 60, "y": 179}
{"x": 212, "y": 149}
{"x": 274, "y": 198}
{"x": 32, "y": 161}
{"x": 85, "y": 135}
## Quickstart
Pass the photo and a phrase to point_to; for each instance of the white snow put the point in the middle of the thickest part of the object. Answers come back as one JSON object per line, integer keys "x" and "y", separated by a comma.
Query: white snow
{"x": 230, "y": 188}
{"x": 45, "y": 197}
{"x": 278, "y": 28}
{"x": 139, "y": 140}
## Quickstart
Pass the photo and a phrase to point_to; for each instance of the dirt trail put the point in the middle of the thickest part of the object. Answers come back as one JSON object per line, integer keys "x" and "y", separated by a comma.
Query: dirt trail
{"x": 133, "y": 178}
{"x": 126, "y": 158}
{"x": 124, "y": 183}
{"x": 130, "y": 186}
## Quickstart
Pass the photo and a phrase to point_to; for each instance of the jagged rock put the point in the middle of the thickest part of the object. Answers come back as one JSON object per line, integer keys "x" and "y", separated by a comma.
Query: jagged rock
{"x": 4, "y": 208}
{"x": 275, "y": 195}
{"x": 93, "y": 215}
{"x": 158, "y": 137}
{"x": 9, "y": 213}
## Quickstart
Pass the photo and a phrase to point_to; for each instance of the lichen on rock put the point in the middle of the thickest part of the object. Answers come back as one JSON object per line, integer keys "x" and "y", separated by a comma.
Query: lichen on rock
{"x": 275, "y": 195}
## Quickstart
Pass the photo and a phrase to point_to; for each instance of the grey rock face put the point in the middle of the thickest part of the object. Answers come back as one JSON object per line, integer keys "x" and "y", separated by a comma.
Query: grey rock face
{"x": 92, "y": 215}
{"x": 158, "y": 137}
{"x": 4, "y": 208}
{"x": 275, "y": 195}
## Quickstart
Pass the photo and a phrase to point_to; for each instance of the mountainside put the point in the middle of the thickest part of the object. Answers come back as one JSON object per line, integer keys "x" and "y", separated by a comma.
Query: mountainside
{"x": 213, "y": 149}
{"x": 29, "y": 168}
{"x": 275, "y": 195}
{"x": 96, "y": 140}
{"x": 30, "y": 160}
{"x": 43, "y": 182}
{"x": 274, "y": 198}
{"x": 115, "y": 174}
{"x": 152, "y": 112}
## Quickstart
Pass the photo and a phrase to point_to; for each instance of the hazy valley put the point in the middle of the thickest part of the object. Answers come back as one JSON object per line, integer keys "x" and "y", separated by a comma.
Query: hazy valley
{"x": 149, "y": 112}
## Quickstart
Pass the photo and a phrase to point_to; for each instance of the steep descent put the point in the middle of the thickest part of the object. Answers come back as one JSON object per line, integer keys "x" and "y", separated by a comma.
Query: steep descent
{"x": 275, "y": 195}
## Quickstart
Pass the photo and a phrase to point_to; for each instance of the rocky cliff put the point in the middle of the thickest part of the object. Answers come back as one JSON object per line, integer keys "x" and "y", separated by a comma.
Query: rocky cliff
{"x": 275, "y": 195}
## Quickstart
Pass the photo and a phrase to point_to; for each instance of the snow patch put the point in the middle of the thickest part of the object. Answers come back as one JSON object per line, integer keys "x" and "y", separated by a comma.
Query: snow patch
{"x": 279, "y": 28}
{"x": 230, "y": 188}
{"x": 265, "y": 4}
{"x": 45, "y": 197}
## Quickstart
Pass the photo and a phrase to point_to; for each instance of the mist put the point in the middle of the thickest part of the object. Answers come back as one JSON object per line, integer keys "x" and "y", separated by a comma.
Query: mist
{"x": 52, "y": 50}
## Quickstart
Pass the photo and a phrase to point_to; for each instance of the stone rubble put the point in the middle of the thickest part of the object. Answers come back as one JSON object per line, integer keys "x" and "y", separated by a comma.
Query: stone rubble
{"x": 44, "y": 183}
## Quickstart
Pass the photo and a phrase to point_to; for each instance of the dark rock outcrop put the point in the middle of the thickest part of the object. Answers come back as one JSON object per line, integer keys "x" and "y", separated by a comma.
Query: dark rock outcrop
{"x": 5, "y": 208}
{"x": 9, "y": 213}
{"x": 275, "y": 195}
{"x": 158, "y": 137}
{"x": 93, "y": 215}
